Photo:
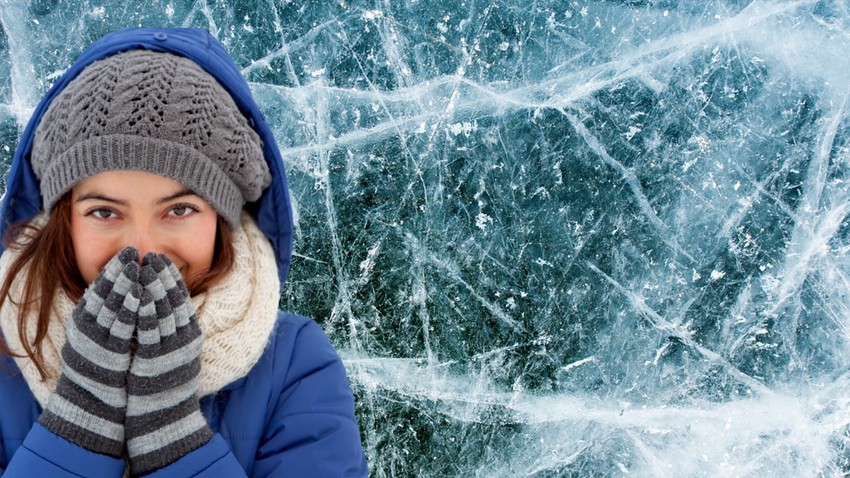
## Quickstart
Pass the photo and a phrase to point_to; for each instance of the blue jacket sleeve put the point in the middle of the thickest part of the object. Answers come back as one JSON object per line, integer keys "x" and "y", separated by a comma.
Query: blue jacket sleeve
{"x": 46, "y": 454}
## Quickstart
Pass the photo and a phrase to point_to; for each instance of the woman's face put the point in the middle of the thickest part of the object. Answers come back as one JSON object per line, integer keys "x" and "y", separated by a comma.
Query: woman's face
{"x": 116, "y": 209}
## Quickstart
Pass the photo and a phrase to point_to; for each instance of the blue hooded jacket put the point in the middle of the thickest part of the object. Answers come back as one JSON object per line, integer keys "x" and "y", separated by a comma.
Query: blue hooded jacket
{"x": 292, "y": 415}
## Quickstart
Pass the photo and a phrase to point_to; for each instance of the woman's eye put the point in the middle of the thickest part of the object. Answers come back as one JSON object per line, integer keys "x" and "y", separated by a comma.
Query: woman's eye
{"x": 102, "y": 213}
{"x": 182, "y": 210}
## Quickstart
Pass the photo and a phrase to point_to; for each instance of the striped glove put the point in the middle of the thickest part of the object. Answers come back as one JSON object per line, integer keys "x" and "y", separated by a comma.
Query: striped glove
{"x": 88, "y": 406}
{"x": 164, "y": 420}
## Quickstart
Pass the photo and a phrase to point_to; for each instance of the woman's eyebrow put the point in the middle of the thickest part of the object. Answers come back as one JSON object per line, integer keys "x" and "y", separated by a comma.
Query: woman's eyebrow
{"x": 178, "y": 194}
{"x": 121, "y": 202}
{"x": 99, "y": 197}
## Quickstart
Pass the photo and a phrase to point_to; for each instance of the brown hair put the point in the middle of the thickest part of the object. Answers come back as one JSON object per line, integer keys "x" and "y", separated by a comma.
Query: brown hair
{"x": 49, "y": 253}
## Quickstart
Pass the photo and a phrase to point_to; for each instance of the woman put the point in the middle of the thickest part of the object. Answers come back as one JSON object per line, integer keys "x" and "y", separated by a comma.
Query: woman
{"x": 148, "y": 230}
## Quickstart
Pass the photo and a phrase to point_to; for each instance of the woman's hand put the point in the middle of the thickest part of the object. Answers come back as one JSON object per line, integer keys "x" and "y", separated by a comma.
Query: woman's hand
{"x": 164, "y": 420}
{"x": 89, "y": 403}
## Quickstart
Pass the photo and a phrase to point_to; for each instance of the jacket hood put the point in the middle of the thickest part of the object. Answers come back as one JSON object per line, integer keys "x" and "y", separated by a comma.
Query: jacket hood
{"x": 272, "y": 211}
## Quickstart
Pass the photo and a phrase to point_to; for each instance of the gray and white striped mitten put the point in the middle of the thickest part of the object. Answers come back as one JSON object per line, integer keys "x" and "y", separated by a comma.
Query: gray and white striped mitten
{"x": 164, "y": 420}
{"x": 88, "y": 406}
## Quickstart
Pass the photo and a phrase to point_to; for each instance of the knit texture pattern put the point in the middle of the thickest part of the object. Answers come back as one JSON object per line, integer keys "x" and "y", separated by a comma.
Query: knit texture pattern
{"x": 236, "y": 317}
{"x": 164, "y": 420}
{"x": 152, "y": 112}
{"x": 90, "y": 402}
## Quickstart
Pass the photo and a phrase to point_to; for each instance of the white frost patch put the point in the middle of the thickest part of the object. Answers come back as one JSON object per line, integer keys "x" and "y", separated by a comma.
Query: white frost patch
{"x": 372, "y": 14}
{"x": 368, "y": 263}
{"x": 457, "y": 128}
{"x": 577, "y": 363}
{"x": 688, "y": 165}
{"x": 482, "y": 220}
{"x": 633, "y": 130}
{"x": 169, "y": 10}
{"x": 55, "y": 74}
{"x": 557, "y": 170}
{"x": 716, "y": 275}
{"x": 701, "y": 141}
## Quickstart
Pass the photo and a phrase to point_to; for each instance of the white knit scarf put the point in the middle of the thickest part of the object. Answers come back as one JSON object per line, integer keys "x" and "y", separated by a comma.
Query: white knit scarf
{"x": 236, "y": 317}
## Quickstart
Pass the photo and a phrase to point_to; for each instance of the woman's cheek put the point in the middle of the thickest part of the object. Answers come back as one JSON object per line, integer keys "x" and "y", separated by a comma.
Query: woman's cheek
{"x": 92, "y": 251}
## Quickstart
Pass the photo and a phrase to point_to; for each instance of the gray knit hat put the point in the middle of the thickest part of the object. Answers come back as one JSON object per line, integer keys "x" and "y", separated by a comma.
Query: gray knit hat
{"x": 152, "y": 112}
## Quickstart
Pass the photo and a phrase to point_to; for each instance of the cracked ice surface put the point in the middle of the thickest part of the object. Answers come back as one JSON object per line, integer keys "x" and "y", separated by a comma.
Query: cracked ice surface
{"x": 549, "y": 238}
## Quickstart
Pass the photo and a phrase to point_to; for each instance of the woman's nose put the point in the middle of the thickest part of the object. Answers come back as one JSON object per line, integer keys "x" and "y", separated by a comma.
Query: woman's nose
{"x": 144, "y": 239}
